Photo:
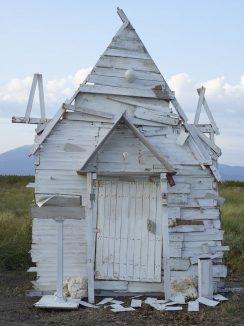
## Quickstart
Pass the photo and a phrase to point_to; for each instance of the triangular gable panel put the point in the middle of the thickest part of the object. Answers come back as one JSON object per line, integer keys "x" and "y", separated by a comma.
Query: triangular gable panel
{"x": 125, "y": 149}
{"x": 126, "y": 53}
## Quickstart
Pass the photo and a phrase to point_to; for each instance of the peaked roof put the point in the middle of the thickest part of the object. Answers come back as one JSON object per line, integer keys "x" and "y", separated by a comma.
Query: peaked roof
{"x": 124, "y": 119}
{"x": 126, "y": 63}
{"x": 127, "y": 69}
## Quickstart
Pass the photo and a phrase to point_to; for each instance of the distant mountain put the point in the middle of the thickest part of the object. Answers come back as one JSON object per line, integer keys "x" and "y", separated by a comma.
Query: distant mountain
{"x": 228, "y": 172}
{"x": 17, "y": 162}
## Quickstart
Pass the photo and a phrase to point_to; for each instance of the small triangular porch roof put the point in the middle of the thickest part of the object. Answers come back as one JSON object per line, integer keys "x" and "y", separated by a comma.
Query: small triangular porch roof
{"x": 123, "y": 119}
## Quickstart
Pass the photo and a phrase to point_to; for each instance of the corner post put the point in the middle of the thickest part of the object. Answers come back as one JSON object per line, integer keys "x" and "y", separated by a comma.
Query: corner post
{"x": 60, "y": 265}
{"x": 91, "y": 224}
{"x": 165, "y": 225}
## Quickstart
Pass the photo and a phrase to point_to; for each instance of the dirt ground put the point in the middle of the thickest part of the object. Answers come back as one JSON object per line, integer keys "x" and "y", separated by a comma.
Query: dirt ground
{"x": 17, "y": 309}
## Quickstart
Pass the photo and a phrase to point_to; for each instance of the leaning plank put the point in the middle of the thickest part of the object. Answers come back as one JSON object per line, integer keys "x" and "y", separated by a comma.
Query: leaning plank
{"x": 55, "y": 212}
{"x": 40, "y": 139}
{"x": 31, "y": 98}
{"x": 208, "y": 141}
{"x": 152, "y": 149}
{"x": 89, "y": 111}
{"x": 209, "y": 114}
{"x": 122, "y": 15}
{"x": 41, "y": 96}
{"x": 199, "y": 104}
{"x": 103, "y": 89}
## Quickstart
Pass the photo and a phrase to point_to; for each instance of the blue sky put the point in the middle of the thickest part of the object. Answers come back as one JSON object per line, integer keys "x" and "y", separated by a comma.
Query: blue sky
{"x": 192, "y": 42}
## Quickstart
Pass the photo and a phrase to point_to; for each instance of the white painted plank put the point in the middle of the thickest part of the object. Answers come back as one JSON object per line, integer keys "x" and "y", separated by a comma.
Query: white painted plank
{"x": 31, "y": 97}
{"x": 207, "y": 302}
{"x": 140, "y": 75}
{"x": 151, "y": 115}
{"x": 127, "y": 63}
{"x": 122, "y": 91}
{"x": 124, "y": 231}
{"x": 199, "y": 104}
{"x": 40, "y": 139}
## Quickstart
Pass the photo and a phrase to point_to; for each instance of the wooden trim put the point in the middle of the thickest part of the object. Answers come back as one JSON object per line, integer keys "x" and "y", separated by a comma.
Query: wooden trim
{"x": 139, "y": 135}
{"x": 91, "y": 213}
{"x": 165, "y": 231}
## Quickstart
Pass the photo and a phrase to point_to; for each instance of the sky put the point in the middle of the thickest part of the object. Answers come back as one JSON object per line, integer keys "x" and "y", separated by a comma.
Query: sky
{"x": 193, "y": 43}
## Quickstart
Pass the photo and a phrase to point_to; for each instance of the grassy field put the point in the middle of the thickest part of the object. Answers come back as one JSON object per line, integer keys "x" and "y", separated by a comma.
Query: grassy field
{"x": 15, "y": 222}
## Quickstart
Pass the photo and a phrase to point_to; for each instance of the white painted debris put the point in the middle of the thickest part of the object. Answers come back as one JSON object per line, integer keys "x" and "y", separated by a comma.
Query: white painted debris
{"x": 123, "y": 309}
{"x": 173, "y": 308}
{"x": 150, "y": 300}
{"x": 119, "y": 308}
{"x": 135, "y": 303}
{"x": 207, "y": 302}
{"x": 87, "y": 304}
{"x": 116, "y": 301}
{"x": 193, "y": 306}
{"x": 162, "y": 301}
{"x": 173, "y": 303}
{"x": 178, "y": 297}
{"x": 158, "y": 306}
{"x": 104, "y": 301}
{"x": 220, "y": 297}
{"x": 50, "y": 301}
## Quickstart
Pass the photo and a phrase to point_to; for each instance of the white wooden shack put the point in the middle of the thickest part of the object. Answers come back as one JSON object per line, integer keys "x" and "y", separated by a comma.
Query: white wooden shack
{"x": 135, "y": 184}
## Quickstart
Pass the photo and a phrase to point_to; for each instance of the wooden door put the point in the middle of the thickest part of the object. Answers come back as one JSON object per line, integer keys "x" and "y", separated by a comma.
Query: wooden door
{"x": 129, "y": 238}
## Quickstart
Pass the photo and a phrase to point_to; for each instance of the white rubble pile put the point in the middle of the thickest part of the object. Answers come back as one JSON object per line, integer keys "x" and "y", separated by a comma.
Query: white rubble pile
{"x": 75, "y": 287}
{"x": 173, "y": 304}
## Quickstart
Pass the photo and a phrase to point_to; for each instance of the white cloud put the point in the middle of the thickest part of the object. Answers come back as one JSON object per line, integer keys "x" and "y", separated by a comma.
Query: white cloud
{"x": 17, "y": 90}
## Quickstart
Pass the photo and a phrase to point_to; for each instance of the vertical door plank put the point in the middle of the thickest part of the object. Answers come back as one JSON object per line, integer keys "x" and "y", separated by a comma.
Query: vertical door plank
{"x": 100, "y": 223}
{"x": 124, "y": 231}
{"x": 144, "y": 238}
{"x": 131, "y": 231}
{"x": 151, "y": 231}
{"x": 104, "y": 271}
{"x": 138, "y": 226}
{"x": 112, "y": 224}
{"x": 118, "y": 213}
{"x": 158, "y": 237}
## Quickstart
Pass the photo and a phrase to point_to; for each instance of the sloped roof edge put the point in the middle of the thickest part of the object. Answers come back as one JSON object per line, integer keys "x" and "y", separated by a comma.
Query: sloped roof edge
{"x": 139, "y": 135}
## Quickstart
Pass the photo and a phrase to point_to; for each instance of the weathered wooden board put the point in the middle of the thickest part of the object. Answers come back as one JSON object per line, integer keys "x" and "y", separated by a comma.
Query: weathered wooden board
{"x": 151, "y": 115}
{"x": 123, "y": 91}
{"x": 58, "y": 212}
{"x": 43, "y": 251}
